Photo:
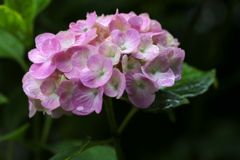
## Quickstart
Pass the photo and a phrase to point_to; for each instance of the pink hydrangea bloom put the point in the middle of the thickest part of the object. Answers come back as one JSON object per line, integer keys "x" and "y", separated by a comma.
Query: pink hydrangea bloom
{"x": 101, "y": 56}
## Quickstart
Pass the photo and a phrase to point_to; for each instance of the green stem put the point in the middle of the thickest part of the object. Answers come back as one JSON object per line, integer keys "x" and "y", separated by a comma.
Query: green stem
{"x": 125, "y": 99}
{"x": 23, "y": 65}
{"x": 106, "y": 141}
{"x": 126, "y": 120}
{"x": 36, "y": 130}
{"x": 110, "y": 115}
{"x": 46, "y": 129}
{"x": 113, "y": 127}
{"x": 10, "y": 149}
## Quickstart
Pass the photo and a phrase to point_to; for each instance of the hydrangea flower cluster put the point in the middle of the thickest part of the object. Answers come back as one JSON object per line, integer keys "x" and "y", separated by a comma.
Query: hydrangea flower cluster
{"x": 101, "y": 56}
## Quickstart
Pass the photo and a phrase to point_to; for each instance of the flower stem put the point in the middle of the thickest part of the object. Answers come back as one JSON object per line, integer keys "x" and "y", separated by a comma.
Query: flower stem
{"x": 46, "y": 129}
{"x": 36, "y": 130}
{"x": 113, "y": 127}
{"x": 126, "y": 120}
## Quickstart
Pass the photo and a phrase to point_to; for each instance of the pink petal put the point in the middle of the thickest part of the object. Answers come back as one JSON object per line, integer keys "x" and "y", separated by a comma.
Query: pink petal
{"x": 78, "y": 27}
{"x": 176, "y": 57}
{"x": 119, "y": 23}
{"x": 158, "y": 70}
{"x": 35, "y": 105}
{"x": 116, "y": 85}
{"x": 91, "y": 19}
{"x": 140, "y": 89}
{"x": 80, "y": 57}
{"x": 85, "y": 38}
{"x": 31, "y": 107}
{"x": 66, "y": 39}
{"x": 41, "y": 38}
{"x": 136, "y": 22}
{"x": 142, "y": 99}
{"x": 130, "y": 64}
{"x": 72, "y": 74}
{"x": 105, "y": 20}
{"x": 127, "y": 41}
{"x": 42, "y": 70}
{"x": 36, "y": 56}
{"x": 50, "y": 47}
{"x": 48, "y": 86}
{"x": 111, "y": 51}
{"x": 51, "y": 102}
{"x": 64, "y": 92}
{"x": 137, "y": 81}
{"x": 86, "y": 100}
{"x": 146, "y": 50}
{"x": 118, "y": 37}
{"x": 89, "y": 78}
{"x": 99, "y": 72}
{"x": 146, "y": 41}
{"x": 146, "y": 22}
{"x": 58, "y": 112}
{"x": 31, "y": 86}
{"x": 63, "y": 61}
{"x": 155, "y": 26}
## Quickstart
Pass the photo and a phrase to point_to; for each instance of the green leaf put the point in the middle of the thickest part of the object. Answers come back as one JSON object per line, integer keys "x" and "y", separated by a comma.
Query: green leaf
{"x": 12, "y": 22}
{"x": 41, "y": 5}
{"x": 16, "y": 134}
{"x": 3, "y": 99}
{"x": 97, "y": 152}
{"x": 62, "y": 145}
{"x": 166, "y": 100}
{"x": 194, "y": 82}
{"x": 27, "y": 8}
{"x": 11, "y": 47}
{"x": 69, "y": 149}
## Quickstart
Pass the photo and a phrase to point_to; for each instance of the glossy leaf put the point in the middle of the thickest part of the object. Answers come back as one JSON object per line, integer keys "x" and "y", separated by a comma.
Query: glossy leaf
{"x": 12, "y": 22}
{"x": 16, "y": 134}
{"x": 3, "y": 99}
{"x": 194, "y": 82}
{"x": 166, "y": 100}
{"x": 97, "y": 152}
{"x": 69, "y": 149}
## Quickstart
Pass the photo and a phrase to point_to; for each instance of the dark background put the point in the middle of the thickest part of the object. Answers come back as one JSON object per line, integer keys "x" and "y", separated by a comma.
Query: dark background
{"x": 206, "y": 129}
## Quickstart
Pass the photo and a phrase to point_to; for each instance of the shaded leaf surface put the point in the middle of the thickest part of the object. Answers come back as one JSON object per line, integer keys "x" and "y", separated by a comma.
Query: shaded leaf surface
{"x": 194, "y": 82}
{"x": 166, "y": 100}
{"x": 97, "y": 152}
{"x": 69, "y": 149}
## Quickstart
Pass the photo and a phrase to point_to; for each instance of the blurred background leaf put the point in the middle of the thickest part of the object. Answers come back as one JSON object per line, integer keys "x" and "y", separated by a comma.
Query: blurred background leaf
{"x": 3, "y": 99}
{"x": 17, "y": 134}
{"x": 11, "y": 47}
{"x": 12, "y": 22}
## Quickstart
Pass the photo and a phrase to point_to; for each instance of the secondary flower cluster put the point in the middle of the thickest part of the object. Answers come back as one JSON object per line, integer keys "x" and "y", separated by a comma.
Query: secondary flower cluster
{"x": 106, "y": 55}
